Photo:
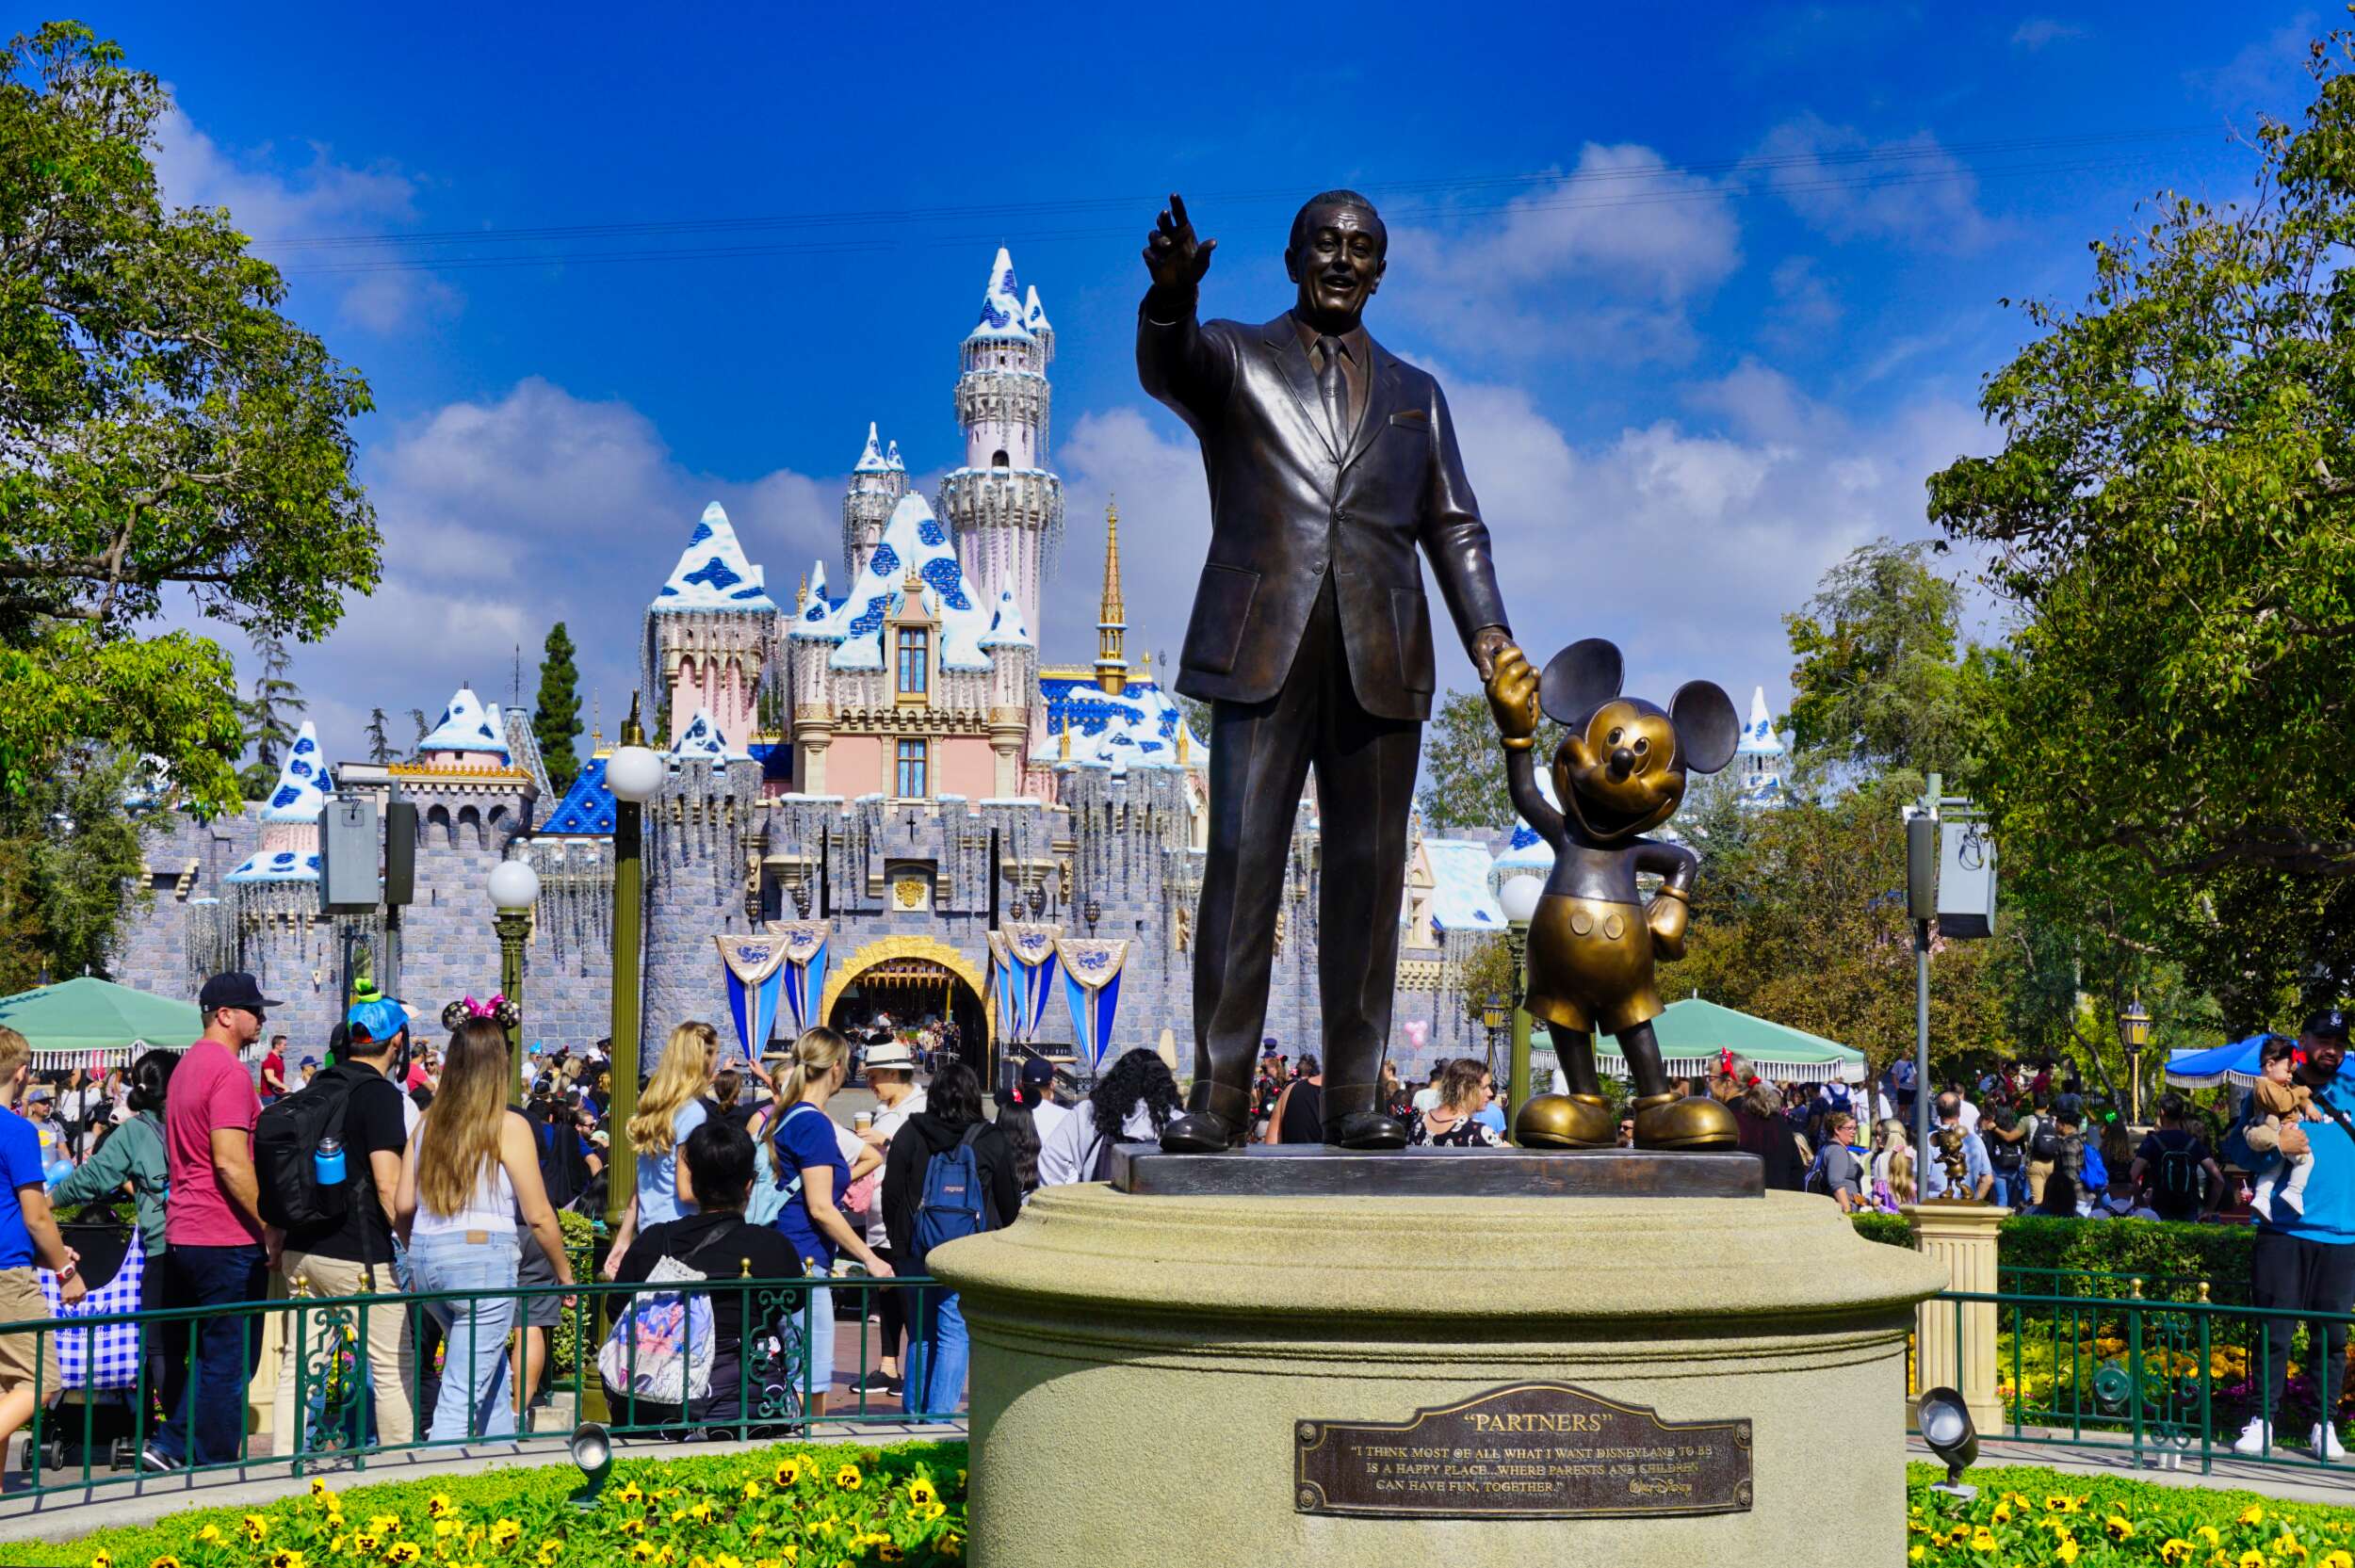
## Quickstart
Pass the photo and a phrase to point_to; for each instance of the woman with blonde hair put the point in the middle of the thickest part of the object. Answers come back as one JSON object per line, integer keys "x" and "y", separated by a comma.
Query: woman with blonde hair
{"x": 810, "y": 1160}
{"x": 470, "y": 1168}
{"x": 1465, "y": 1087}
{"x": 670, "y": 1107}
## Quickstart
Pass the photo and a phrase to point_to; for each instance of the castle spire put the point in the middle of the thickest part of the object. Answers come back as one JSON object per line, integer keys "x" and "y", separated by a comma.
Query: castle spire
{"x": 1112, "y": 626}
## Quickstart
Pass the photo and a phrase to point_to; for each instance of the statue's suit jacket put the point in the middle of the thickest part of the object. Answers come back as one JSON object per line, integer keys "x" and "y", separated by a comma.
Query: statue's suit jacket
{"x": 1287, "y": 507}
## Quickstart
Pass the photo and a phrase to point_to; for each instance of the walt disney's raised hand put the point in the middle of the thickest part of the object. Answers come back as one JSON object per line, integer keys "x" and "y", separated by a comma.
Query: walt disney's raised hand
{"x": 1512, "y": 699}
{"x": 1172, "y": 254}
{"x": 1667, "y": 917}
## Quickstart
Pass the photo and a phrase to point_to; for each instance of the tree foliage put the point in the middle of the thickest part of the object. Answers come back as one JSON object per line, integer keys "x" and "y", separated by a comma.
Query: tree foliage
{"x": 1463, "y": 766}
{"x": 556, "y": 715}
{"x": 68, "y": 848}
{"x": 379, "y": 744}
{"x": 271, "y": 714}
{"x": 162, "y": 429}
{"x": 2174, "y": 516}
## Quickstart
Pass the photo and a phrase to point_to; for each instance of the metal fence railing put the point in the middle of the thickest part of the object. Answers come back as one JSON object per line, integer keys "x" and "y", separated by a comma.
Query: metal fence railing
{"x": 2166, "y": 1378}
{"x": 121, "y": 1375}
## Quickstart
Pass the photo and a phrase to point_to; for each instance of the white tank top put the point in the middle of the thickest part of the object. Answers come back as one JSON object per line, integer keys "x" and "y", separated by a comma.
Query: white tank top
{"x": 490, "y": 1207}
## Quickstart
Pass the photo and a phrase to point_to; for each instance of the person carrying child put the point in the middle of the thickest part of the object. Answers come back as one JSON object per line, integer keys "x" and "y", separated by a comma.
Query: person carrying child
{"x": 2280, "y": 1099}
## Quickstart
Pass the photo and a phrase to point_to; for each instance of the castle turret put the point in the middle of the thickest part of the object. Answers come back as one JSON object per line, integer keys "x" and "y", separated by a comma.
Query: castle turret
{"x": 1005, "y": 506}
{"x": 1112, "y": 623}
{"x": 710, "y": 630}
{"x": 878, "y": 479}
{"x": 1761, "y": 754}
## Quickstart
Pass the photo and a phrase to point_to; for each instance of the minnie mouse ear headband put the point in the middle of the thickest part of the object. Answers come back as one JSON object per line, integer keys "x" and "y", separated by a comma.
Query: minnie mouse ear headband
{"x": 1586, "y": 674}
{"x": 501, "y": 1011}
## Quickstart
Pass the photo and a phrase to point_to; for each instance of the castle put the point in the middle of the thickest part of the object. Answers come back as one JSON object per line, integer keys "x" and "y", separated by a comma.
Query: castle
{"x": 895, "y": 760}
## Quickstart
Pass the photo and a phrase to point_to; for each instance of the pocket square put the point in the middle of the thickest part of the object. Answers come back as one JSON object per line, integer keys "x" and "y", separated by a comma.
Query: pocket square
{"x": 1411, "y": 416}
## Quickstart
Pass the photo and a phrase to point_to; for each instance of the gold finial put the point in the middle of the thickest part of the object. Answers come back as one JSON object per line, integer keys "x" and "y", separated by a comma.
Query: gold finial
{"x": 801, "y": 595}
{"x": 915, "y": 584}
{"x": 596, "y": 723}
{"x": 631, "y": 734}
{"x": 1064, "y": 736}
{"x": 1113, "y": 612}
{"x": 1184, "y": 732}
{"x": 1111, "y": 668}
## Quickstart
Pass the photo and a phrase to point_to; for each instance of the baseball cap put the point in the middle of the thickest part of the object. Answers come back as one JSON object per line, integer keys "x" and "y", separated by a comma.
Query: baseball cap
{"x": 235, "y": 989}
{"x": 377, "y": 1021}
{"x": 39, "y": 1092}
{"x": 2330, "y": 1024}
{"x": 310, "y": 1061}
{"x": 1037, "y": 1072}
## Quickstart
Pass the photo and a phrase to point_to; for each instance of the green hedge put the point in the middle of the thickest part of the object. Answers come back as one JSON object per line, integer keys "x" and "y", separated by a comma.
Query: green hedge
{"x": 2026, "y": 1515}
{"x": 2175, "y": 1256}
{"x": 808, "y": 1506}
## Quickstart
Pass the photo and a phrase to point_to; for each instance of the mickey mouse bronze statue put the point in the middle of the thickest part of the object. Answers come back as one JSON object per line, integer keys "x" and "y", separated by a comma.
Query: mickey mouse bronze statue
{"x": 1619, "y": 772}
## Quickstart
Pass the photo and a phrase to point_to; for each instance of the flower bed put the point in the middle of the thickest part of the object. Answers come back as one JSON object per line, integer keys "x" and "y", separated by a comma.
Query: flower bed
{"x": 794, "y": 1506}
{"x": 2025, "y": 1516}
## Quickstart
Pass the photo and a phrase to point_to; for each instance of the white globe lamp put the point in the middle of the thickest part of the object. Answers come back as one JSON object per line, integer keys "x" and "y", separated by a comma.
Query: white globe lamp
{"x": 515, "y": 885}
{"x": 634, "y": 773}
{"x": 1519, "y": 898}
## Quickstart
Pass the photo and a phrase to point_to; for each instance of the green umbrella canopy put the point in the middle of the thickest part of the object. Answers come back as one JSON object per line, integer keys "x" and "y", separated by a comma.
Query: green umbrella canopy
{"x": 1692, "y": 1032}
{"x": 89, "y": 1014}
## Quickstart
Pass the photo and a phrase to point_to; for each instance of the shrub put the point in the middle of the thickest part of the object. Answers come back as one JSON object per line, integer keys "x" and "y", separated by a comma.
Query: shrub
{"x": 2024, "y": 1515}
{"x": 1890, "y": 1229}
{"x": 2173, "y": 1258}
{"x": 808, "y": 1505}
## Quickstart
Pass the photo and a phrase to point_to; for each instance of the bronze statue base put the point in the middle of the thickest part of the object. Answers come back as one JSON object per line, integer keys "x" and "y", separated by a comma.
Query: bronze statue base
{"x": 1318, "y": 1170}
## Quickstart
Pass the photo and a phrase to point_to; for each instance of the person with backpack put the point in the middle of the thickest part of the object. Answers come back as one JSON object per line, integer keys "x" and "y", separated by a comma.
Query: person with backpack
{"x": 1132, "y": 1102}
{"x": 949, "y": 1174}
{"x": 471, "y": 1166}
{"x": 1836, "y": 1172}
{"x": 2006, "y": 1143}
{"x": 2170, "y": 1166}
{"x": 339, "y": 1242}
{"x": 810, "y": 1158}
{"x": 714, "y": 1242}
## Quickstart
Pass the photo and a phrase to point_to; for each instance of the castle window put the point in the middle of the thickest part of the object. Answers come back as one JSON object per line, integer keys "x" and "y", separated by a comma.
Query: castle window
{"x": 997, "y": 459}
{"x": 915, "y": 655}
{"x": 913, "y": 760}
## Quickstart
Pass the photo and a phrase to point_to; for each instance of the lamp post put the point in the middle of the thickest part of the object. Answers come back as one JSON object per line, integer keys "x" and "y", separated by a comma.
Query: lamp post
{"x": 515, "y": 888}
{"x": 1492, "y": 1015}
{"x": 634, "y": 773}
{"x": 1092, "y": 912}
{"x": 1518, "y": 899}
{"x": 2133, "y": 1030}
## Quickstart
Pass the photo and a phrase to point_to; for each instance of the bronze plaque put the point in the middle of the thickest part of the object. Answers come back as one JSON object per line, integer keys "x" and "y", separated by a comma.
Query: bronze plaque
{"x": 1533, "y": 1450}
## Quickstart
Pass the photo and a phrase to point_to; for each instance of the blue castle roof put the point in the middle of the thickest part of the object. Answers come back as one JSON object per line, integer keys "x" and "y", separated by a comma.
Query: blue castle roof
{"x": 1138, "y": 728}
{"x": 587, "y": 805}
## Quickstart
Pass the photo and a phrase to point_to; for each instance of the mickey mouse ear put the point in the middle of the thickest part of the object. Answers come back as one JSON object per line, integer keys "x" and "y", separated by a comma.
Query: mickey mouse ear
{"x": 1580, "y": 679}
{"x": 453, "y": 1015}
{"x": 1707, "y": 729}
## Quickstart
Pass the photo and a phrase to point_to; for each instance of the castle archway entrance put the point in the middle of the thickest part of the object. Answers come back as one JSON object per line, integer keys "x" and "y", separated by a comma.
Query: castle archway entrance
{"x": 908, "y": 979}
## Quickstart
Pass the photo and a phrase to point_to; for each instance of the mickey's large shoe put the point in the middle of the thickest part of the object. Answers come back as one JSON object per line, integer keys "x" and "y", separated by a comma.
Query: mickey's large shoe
{"x": 1665, "y": 1122}
{"x": 1366, "y": 1129}
{"x": 1200, "y": 1132}
{"x": 1565, "y": 1122}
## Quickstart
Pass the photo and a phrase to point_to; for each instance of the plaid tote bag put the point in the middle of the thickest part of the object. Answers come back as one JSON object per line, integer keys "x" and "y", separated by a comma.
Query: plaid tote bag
{"x": 106, "y": 1356}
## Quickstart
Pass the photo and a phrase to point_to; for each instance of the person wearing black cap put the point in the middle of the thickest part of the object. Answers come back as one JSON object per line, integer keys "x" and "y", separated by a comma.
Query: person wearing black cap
{"x": 213, "y": 1229}
{"x": 2306, "y": 1262}
{"x": 1038, "y": 1093}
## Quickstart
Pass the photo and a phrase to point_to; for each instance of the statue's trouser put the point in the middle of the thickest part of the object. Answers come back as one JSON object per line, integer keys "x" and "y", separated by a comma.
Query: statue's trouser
{"x": 1261, "y": 753}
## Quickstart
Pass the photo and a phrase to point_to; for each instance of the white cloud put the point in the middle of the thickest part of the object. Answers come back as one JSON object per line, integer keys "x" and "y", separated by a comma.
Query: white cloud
{"x": 1852, "y": 187}
{"x": 1603, "y": 263}
{"x": 313, "y": 198}
{"x": 2267, "y": 73}
{"x": 1804, "y": 310}
{"x": 2037, "y": 31}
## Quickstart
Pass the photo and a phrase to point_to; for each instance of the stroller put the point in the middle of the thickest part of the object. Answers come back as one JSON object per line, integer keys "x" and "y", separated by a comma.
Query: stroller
{"x": 96, "y": 1416}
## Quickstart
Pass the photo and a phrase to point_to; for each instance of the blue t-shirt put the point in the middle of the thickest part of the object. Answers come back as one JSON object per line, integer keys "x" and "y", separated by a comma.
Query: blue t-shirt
{"x": 806, "y": 1139}
{"x": 1490, "y": 1115}
{"x": 657, "y": 1175}
{"x": 19, "y": 1166}
{"x": 2330, "y": 1216}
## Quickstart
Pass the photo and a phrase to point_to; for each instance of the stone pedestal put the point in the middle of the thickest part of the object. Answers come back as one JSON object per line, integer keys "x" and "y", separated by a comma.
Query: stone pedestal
{"x": 1152, "y": 1373}
{"x": 1955, "y": 1341}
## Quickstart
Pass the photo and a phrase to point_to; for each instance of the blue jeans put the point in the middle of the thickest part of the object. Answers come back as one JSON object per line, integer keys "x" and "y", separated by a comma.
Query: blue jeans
{"x": 472, "y": 1400}
{"x": 938, "y": 1351}
{"x": 204, "y": 1384}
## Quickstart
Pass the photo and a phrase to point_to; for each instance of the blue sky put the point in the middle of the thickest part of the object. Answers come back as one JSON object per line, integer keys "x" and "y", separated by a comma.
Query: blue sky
{"x": 1712, "y": 287}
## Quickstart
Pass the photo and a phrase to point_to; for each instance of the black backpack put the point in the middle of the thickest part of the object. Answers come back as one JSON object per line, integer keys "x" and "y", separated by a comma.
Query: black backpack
{"x": 2175, "y": 1176}
{"x": 562, "y": 1169}
{"x": 2045, "y": 1143}
{"x": 287, "y": 1137}
{"x": 2002, "y": 1152}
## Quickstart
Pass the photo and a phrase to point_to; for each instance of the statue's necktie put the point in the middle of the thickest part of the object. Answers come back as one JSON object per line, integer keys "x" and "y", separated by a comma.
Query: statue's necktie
{"x": 1335, "y": 391}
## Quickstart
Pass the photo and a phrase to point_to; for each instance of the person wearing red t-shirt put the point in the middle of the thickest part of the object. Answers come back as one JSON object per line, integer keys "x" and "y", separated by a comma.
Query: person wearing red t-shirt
{"x": 219, "y": 1254}
{"x": 274, "y": 1069}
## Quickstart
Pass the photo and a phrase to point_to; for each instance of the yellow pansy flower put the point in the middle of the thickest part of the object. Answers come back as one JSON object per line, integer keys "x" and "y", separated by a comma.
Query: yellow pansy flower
{"x": 848, "y": 1479}
{"x": 368, "y": 1541}
{"x": 920, "y": 1491}
{"x": 2067, "y": 1552}
{"x": 100, "y": 1559}
{"x": 166, "y": 1561}
{"x": 641, "y": 1551}
{"x": 287, "y": 1559}
{"x": 404, "y": 1551}
{"x": 2340, "y": 1557}
{"x": 505, "y": 1532}
{"x": 2253, "y": 1515}
{"x": 2175, "y": 1550}
{"x": 1982, "y": 1540}
{"x": 1918, "y": 1553}
{"x": 2118, "y": 1526}
{"x": 2063, "y": 1505}
{"x": 789, "y": 1472}
{"x": 752, "y": 1489}
{"x": 630, "y": 1494}
{"x": 438, "y": 1505}
{"x": 953, "y": 1544}
{"x": 2003, "y": 1513}
{"x": 256, "y": 1528}
{"x": 2250, "y": 1558}
{"x": 2207, "y": 1533}
{"x": 210, "y": 1534}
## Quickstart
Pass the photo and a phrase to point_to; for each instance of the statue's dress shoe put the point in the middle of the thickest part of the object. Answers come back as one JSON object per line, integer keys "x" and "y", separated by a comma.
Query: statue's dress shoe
{"x": 1565, "y": 1122}
{"x": 1665, "y": 1122}
{"x": 1199, "y": 1132}
{"x": 1366, "y": 1129}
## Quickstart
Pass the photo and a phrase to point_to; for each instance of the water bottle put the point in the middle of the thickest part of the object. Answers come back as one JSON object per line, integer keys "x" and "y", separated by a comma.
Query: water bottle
{"x": 327, "y": 1163}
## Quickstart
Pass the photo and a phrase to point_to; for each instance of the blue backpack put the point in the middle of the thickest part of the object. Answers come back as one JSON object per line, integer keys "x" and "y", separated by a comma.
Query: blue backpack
{"x": 954, "y": 1203}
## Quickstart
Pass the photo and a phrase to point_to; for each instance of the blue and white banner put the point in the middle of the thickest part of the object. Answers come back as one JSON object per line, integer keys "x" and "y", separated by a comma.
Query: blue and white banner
{"x": 756, "y": 974}
{"x": 1024, "y": 955}
{"x": 1092, "y": 987}
{"x": 804, "y": 987}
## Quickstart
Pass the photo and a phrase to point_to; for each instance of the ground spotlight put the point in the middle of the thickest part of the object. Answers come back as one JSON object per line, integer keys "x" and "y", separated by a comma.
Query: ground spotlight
{"x": 1944, "y": 1423}
{"x": 591, "y": 1449}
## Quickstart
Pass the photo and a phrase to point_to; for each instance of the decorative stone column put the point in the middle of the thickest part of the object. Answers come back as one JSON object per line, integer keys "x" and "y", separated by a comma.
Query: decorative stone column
{"x": 1960, "y": 1238}
{"x": 813, "y": 731}
{"x": 1007, "y": 726}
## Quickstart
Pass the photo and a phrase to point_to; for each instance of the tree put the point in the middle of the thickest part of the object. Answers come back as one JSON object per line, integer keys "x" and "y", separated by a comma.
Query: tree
{"x": 1463, "y": 766}
{"x": 1879, "y": 685}
{"x": 417, "y": 717}
{"x": 161, "y": 427}
{"x": 68, "y": 852}
{"x": 270, "y": 715}
{"x": 2173, "y": 519}
{"x": 556, "y": 716}
{"x": 379, "y": 744}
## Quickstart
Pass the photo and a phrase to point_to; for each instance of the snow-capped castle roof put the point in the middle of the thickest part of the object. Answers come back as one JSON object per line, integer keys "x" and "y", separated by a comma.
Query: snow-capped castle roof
{"x": 702, "y": 741}
{"x": 1034, "y": 313}
{"x": 713, "y": 573}
{"x": 1758, "y": 736}
{"x": 1461, "y": 898}
{"x": 916, "y": 540}
{"x": 1006, "y": 629}
{"x": 277, "y": 865}
{"x": 466, "y": 725}
{"x": 871, "y": 460}
{"x": 1136, "y": 729}
{"x": 303, "y": 780}
{"x": 892, "y": 460}
{"x": 1003, "y": 310}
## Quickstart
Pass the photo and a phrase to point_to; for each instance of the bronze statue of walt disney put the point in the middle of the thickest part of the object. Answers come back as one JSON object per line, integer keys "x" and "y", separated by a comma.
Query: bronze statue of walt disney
{"x": 1619, "y": 772}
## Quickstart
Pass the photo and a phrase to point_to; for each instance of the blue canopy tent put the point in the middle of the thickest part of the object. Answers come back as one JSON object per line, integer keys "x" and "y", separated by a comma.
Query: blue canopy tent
{"x": 2235, "y": 1064}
